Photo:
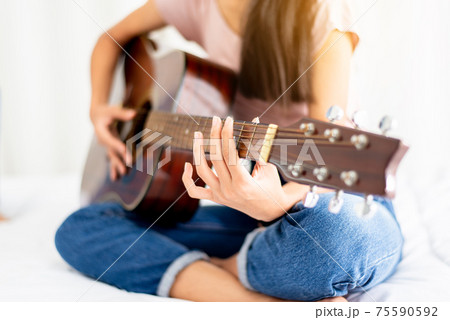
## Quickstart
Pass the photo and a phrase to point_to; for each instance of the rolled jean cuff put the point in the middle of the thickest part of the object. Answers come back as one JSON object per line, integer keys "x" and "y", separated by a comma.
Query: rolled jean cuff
{"x": 175, "y": 267}
{"x": 242, "y": 257}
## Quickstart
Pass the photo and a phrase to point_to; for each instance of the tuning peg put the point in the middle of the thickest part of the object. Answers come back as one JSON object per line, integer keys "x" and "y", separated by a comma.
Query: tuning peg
{"x": 366, "y": 208}
{"x": 386, "y": 124}
{"x": 359, "y": 119}
{"x": 295, "y": 169}
{"x": 336, "y": 202}
{"x": 311, "y": 198}
{"x": 334, "y": 113}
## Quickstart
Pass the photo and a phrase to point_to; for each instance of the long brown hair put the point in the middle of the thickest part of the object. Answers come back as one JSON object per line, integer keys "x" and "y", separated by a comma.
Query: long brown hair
{"x": 276, "y": 50}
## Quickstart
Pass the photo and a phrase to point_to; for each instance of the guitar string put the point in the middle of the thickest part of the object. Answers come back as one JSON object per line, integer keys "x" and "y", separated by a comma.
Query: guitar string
{"x": 170, "y": 116}
{"x": 183, "y": 144}
{"x": 251, "y": 125}
{"x": 261, "y": 135}
{"x": 305, "y": 166}
{"x": 259, "y": 129}
{"x": 320, "y": 140}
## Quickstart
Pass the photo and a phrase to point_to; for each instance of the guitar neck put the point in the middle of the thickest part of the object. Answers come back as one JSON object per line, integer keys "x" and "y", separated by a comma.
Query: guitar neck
{"x": 252, "y": 140}
{"x": 316, "y": 153}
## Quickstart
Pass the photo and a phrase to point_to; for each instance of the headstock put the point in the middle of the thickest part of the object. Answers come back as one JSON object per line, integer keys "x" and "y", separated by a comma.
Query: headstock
{"x": 325, "y": 154}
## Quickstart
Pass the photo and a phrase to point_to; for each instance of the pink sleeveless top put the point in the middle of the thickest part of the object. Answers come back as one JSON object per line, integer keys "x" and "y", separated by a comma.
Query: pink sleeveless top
{"x": 202, "y": 21}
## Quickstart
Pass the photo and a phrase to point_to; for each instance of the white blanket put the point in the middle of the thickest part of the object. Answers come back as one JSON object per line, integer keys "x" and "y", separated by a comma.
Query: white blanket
{"x": 31, "y": 269}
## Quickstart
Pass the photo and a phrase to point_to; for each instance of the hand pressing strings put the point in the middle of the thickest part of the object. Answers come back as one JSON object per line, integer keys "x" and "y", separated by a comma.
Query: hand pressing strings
{"x": 259, "y": 195}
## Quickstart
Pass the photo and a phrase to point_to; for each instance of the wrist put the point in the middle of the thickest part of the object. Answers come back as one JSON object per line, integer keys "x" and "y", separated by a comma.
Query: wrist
{"x": 93, "y": 110}
{"x": 279, "y": 208}
{"x": 294, "y": 193}
{"x": 98, "y": 100}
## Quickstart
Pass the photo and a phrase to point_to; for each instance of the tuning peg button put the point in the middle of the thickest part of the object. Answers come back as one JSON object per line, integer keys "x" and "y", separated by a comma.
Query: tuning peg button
{"x": 349, "y": 177}
{"x": 334, "y": 113}
{"x": 308, "y": 128}
{"x": 311, "y": 198}
{"x": 295, "y": 170}
{"x": 333, "y": 135}
{"x": 360, "y": 141}
{"x": 359, "y": 119}
{"x": 366, "y": 208}
{"x": 386, "y": 124}
{"x": 321, "y": 173}
{"x": 336, "y": 203}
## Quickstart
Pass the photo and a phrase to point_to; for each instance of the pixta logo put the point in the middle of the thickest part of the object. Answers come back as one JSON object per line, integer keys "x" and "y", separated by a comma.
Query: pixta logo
{"x": 147, "y": 145}
{"x": 307, "y": 150}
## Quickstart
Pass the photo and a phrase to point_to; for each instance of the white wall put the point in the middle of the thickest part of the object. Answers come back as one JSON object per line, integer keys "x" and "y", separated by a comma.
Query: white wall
{"x": 45, "y": 51}
{"x": 402, "y": 69}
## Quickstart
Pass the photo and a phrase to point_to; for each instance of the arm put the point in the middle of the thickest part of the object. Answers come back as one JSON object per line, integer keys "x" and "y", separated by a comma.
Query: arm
{"x": 331, "y": 75}
{"x": 103, "y": 62}
{"x": 330, "y": 84}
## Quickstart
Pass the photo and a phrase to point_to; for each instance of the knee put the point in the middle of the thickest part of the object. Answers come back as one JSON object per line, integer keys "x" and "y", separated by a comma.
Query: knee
{"x": 332, "y": 233}
{"x": 70, "y": 234}
{"x": 346, "y": 230}
{"x": 324, "y": 254}
{"x": 76, "y": 236}
{"x": 365, "y": 250}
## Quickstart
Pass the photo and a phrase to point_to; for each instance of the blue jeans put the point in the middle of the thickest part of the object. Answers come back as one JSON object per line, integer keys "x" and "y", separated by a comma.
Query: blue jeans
{"x": 307, "y": 255}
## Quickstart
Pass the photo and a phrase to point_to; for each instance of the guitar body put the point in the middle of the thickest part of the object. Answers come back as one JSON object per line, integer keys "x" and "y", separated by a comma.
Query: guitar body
{"x": 152, "y": 186}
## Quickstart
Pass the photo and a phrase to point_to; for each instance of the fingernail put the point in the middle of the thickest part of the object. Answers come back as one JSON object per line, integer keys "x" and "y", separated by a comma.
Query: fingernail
{"x": 197, "y": 135}
{"x": 228, "y": 120}
{"x": 215, "y": 120}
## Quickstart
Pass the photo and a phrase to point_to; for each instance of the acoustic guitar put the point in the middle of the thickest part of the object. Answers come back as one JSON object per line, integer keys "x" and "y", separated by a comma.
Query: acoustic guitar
{"x": 176, "y": 94}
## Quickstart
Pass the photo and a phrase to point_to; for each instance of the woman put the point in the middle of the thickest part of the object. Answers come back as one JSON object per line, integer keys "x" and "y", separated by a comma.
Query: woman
{"x": 304, "y": 253}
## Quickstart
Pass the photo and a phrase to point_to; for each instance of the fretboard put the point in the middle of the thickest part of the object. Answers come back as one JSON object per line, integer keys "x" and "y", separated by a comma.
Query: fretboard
{"x": 250, "y": 138}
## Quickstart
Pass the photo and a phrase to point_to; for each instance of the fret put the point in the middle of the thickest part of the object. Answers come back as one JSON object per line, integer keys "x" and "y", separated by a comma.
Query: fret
{"x": 205, "y": 133}
{"x": 192, "y": 128}
{"x": 205, "y": 122}
{"x": 195, "y": 127}
{"x": 238, "y": 143}
{"x": 161, "y": 127}
{"x": 181, "y": 128}
{"x": 264, "y": 152}
{"x": 185, "y": 132}
{"x": 174, "y": 139}
{"x": 251, "y": 140}
{"x": 177, "y": 128}
{"x": 179, "y": 131}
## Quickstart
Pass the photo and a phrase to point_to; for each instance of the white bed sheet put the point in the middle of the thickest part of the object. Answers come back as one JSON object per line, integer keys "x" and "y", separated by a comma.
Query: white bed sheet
{"x": 31, "y": 269}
